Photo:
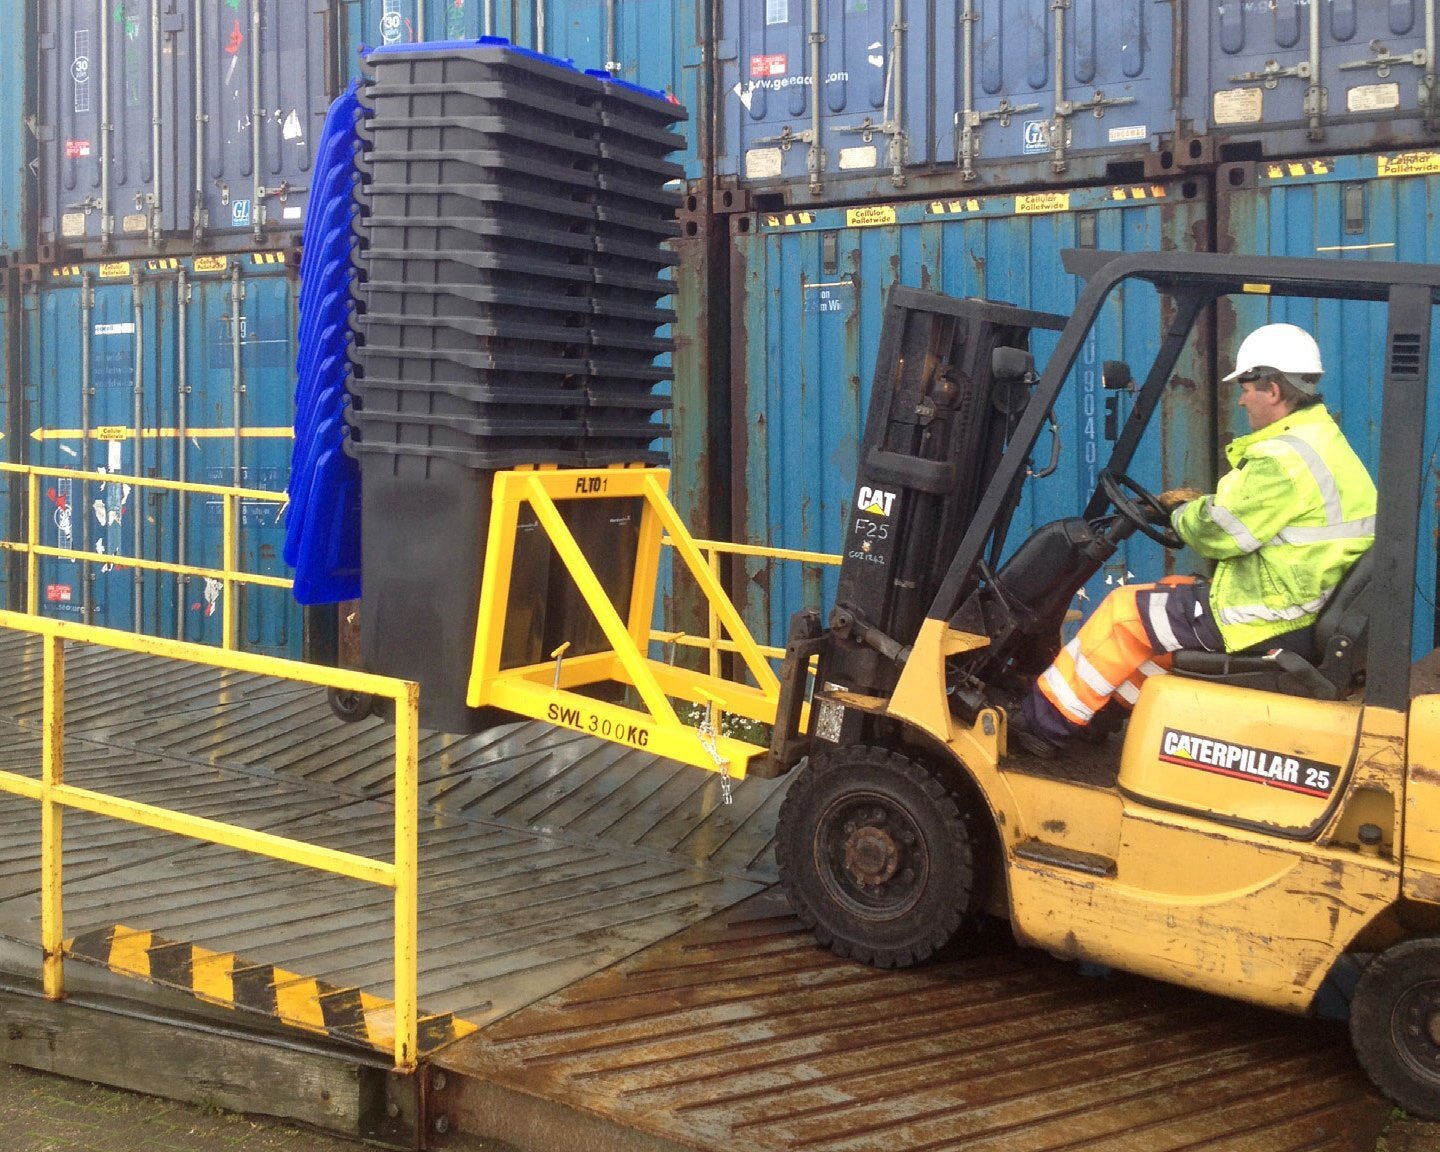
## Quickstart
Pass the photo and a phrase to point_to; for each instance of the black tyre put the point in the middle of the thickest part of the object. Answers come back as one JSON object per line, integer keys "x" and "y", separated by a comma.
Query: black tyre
{"x": 1395, "y": 1025}
{"x": 879, "y": 858}
{"x": 352, "y": 707}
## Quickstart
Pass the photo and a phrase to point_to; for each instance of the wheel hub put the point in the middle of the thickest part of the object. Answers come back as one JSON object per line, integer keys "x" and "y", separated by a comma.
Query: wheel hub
{"x": 871, "y": 856}
{"x": 1419, "y": 1021}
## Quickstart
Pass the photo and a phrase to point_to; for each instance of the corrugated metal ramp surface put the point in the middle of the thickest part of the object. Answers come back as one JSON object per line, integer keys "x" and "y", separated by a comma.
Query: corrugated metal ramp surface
{"x": 740, "y": 1034}
{"x": 544, "y": 856}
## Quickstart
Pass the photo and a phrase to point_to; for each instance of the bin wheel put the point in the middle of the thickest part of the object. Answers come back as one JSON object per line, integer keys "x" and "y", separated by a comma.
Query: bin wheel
{"x": 1395, "y": 1025}
{"x": 352, "y": 707}
{"x": 880, "y": 859}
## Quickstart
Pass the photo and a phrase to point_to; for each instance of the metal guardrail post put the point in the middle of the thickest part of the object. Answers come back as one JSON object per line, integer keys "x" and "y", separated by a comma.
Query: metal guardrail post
{"x": 712, "y": 557}
{"x": 32, "y": 540}
{"x": 227, "y": 609}
{"x": 52, "y": 774}
{"x": 407, "y": 871}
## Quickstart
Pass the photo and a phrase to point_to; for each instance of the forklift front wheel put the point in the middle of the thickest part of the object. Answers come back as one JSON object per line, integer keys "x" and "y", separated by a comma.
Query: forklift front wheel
{"x": 352, "y": 707}
{"x": 879, "y": 858}
{"x": 1395, "y": 1025}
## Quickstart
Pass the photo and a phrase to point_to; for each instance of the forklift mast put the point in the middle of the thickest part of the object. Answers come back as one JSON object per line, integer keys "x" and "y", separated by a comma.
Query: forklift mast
{"x": 942, "y": 407}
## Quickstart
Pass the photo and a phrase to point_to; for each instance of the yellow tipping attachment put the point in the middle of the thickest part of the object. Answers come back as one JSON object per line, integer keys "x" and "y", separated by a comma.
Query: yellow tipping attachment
{"x": 554, "y": 691}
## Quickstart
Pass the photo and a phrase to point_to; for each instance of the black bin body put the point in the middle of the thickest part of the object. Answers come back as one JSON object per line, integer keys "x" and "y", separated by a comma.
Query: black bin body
{"x": 507, "y": 300}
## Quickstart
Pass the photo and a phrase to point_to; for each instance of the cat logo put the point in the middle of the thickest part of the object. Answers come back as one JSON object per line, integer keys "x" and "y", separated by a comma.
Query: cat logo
{"x": 875, "y": 501}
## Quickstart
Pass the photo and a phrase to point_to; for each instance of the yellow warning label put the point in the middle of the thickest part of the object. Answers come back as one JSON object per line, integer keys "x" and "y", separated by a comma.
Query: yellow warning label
{"x": 1257, "y": 289}
{"x": 211, "y": 263}
{"x": 869, "y": 217}
{"x": 112, "y": 432}
{"x": 1038, "y": 202}
{"x": 1409, "y": 164}
{"x": 114, "y": 271}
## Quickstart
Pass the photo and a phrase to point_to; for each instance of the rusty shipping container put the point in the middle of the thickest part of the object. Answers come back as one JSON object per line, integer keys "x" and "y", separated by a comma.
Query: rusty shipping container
{"x": 1363, "y": 208}
{"x": 181, "y": 369}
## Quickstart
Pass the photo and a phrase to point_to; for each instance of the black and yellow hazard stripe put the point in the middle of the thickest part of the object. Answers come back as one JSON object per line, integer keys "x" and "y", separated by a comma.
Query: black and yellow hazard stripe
{"x": 788, "y": 219}
{"x": 267, "y": 257}
{"x": 228, "y": 980}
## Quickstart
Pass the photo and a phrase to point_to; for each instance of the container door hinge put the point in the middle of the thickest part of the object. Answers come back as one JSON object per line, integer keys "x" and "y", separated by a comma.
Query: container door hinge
{"x": 968, "y": 127}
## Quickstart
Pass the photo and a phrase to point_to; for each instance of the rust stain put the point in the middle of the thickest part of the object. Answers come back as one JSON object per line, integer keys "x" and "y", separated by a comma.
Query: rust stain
{"x": 740, "y": 1034}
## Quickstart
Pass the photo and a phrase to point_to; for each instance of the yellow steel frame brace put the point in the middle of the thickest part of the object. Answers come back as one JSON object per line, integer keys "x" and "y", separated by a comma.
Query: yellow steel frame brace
{"x": 547, "y": 691}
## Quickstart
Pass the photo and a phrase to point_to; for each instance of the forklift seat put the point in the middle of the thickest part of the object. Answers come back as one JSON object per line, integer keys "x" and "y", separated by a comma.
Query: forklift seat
{"x": 1340, "y": 634}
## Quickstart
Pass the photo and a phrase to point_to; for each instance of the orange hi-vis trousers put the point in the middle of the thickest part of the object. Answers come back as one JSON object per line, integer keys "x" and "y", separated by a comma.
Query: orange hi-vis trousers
{"x": 1129, "y": 638}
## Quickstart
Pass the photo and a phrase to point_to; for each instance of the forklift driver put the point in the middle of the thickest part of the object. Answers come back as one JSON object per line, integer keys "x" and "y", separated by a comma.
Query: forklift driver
{"x": 1284, "y": 526}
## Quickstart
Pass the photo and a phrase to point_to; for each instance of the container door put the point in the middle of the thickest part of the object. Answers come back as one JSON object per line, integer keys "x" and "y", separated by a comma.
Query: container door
{"x": 1004, "y": 101}
{"x": 16, "y": 206}
{"x": 868, "y": 93}
{"x": 807, "y": 330}
{"x": 65, "y": 400}
{"x": 109, "y": 64}
{"x": 1360, "y": 208}
{"x": 1345, "y": 75}
{"x": 262, "y": 83}
{"x": 241, "y": 365}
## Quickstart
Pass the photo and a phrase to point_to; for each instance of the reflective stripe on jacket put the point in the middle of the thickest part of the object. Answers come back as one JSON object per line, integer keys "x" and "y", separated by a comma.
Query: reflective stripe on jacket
{"x": 1285, "y": 526}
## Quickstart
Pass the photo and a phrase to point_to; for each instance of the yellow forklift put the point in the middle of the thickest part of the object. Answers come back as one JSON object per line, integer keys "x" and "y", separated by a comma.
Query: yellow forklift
{"x": 1266, "y": 827}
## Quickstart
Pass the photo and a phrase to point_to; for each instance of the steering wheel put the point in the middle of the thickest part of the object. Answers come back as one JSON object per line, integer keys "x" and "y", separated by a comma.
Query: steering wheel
{"x": 1140, "y": 507}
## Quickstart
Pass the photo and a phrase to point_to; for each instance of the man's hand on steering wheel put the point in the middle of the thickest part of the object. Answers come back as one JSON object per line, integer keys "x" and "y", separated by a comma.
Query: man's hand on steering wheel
{"x": 1177, "y": 496}
{"x": 1141, "y": 508}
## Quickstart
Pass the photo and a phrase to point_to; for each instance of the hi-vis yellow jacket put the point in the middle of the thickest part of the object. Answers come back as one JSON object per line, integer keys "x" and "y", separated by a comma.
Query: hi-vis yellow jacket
{"x": 1284, "y": 526}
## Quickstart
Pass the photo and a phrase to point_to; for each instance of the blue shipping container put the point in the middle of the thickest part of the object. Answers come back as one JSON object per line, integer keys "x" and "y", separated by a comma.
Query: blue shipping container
{"x": 12, "y": 506}
{"x": 978, "y": 94}
{"x": 809, "y": 303}
{"x": 1006, "y": 94}
{"x": 655, "y": 43}
{"x": 16, "y": 206}
{"x": 1290, "y": 77}
{"x": 155, "y": 345}
{"x": 1361, "y": 208}
{"x": 211, "y": 110}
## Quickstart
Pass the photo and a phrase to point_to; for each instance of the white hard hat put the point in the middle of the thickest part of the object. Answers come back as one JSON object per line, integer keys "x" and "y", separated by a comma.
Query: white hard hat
{"x": 1281, "y": 348}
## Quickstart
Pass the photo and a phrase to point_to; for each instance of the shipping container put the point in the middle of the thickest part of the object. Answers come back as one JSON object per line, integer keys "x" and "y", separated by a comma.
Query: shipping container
{"x": 937, "y": 98}
{"x": 808, "y": 298}
{"x": 16, "y": 73}
{"x": 1287, "y": 78}
{"x": 12, "y": 506}
{"x": 172, "y": 125}
{"x": 700, "y": 419}
{"x": 658, "y": 44}
{"x": 1363, "y": 208}
{"x": 969, "y": 96}
{"x": 181, "y": 369}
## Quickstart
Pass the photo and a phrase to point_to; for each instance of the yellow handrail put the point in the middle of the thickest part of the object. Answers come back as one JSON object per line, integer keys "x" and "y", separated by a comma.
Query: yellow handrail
{"x": 55, "y": 796}
{"x": 228, "y": 574}
{"x": 713, "y": 550}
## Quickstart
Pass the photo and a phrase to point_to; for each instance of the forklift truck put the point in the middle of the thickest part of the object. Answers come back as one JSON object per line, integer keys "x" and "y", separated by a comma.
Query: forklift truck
{"x": 1266, "y": 828}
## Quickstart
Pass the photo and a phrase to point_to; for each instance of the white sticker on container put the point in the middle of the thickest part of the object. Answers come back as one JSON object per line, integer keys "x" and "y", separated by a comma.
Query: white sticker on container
{"x": 72, "y": 224}
{"x": 1131, "y": 134}
{"x": 291, "y": 212}
{"x": 861, "y": 156}
{"x": 1372, "y": 98}
{"x": 133, "y": 222}
{"x": 291, "y": 129}
{"x": 115, "y": 454}
{"x": 114, "y": 329}
{"x": 1238, "y": 106}
{"x": 1036, "y": 137}
{"x": 763, "y": 163}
